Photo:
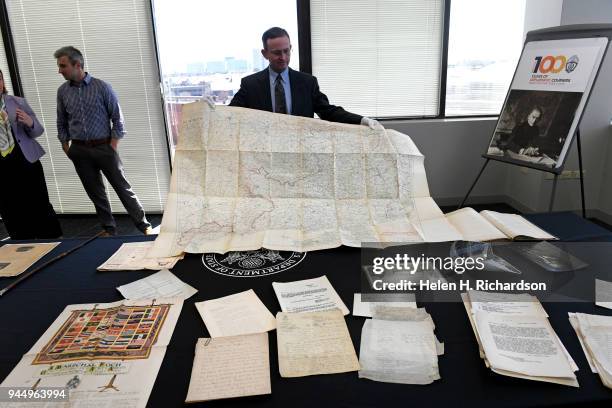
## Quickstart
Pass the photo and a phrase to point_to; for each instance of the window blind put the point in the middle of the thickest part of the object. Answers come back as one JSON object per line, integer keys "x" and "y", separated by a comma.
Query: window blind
{"x": 5, "y": 69}
{"x": 116, "y": 39}
{"x": 379, "y": 58}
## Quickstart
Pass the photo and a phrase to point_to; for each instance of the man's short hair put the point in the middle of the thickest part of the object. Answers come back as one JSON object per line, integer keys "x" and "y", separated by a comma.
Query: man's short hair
{"x": 271, "y": 33}
{"x": 72, "y": 53}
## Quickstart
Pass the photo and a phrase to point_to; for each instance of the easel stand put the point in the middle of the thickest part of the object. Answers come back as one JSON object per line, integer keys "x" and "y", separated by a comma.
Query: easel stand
{"x": 554, "y": 186}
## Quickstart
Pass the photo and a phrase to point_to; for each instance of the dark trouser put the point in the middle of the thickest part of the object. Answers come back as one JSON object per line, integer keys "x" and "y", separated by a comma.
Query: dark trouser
{"x": 24, "y": 199}
{"x": 90, "y": 163}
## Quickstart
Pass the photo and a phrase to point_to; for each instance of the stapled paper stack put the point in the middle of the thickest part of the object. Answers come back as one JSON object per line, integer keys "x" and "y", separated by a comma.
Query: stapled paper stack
{"x": 516, "y": 339}
{"x": 595, "y": 335}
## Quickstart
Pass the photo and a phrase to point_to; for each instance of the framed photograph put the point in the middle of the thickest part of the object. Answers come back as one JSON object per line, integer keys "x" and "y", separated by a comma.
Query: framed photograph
{"x": 543, "y": 107}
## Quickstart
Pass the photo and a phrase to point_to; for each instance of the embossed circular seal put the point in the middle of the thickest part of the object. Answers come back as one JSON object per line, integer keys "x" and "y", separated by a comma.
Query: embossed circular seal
{"x": 252, "y": 264}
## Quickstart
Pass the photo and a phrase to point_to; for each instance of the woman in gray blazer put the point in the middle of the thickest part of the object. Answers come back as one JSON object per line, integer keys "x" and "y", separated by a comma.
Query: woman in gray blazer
{"x": 24, "y": 200}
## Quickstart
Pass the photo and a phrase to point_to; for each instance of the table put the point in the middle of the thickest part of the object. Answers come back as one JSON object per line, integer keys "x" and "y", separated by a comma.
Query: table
{"x": 29, "y": 309}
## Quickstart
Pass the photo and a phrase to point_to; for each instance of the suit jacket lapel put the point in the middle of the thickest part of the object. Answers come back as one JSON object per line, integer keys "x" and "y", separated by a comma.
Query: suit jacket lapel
{"x": 264, "y": 83}
{"x": 297, "y": 107}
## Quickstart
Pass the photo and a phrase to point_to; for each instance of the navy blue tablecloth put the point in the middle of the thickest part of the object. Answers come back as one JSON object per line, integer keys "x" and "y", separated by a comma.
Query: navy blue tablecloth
{"x": 28, "y": 310}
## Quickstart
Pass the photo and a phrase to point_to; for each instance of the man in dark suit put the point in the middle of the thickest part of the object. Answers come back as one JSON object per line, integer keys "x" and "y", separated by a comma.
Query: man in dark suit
{"x": 281, "y": 89}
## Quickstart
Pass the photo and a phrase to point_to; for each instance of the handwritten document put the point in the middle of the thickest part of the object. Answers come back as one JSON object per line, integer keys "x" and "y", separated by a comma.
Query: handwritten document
{"x": 314, "y": 343}
{"x": 161, "y": 284}
{"x": 240, "y": 313}
{"x": 230, "y": 367}
{"x": 308, "y": 295}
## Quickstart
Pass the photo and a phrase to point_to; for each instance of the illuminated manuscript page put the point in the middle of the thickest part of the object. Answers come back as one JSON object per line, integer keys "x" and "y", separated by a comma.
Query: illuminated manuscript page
{"x": 110, "y": 366}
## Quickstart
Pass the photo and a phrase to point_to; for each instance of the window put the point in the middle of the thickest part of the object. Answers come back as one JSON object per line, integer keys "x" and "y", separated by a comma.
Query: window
{"x": 379, "y": 58}
{"x": 116, "y": 39}
{"x": 206, "y": 48}
{"x": 4, "y": 68}
{"x": 486, "y": 38}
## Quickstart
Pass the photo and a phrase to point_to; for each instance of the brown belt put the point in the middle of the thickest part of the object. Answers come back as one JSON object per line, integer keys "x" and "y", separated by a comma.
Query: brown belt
{"x": 91, "y": 143}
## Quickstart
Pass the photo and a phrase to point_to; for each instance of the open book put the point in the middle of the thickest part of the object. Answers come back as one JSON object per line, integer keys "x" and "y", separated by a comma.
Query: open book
{"x": 491, "y": 225}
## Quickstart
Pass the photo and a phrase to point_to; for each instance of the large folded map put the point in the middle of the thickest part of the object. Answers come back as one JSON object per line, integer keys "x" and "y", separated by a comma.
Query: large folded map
{"x": 244, "y": 179}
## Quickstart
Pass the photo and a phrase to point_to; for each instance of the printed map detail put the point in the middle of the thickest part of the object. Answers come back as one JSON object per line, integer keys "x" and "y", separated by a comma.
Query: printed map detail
{"x": 245, "y": 179}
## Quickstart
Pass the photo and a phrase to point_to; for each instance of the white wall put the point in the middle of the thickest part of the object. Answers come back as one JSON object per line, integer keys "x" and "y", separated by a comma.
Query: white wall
{"x": 595, "y": 126}
{"x": 453, "y": 150}
{"x": 542, "y": 13}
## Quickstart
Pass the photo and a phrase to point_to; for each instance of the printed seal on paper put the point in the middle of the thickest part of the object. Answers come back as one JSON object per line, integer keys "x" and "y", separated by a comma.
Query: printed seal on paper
{"x": 252, "y": 264}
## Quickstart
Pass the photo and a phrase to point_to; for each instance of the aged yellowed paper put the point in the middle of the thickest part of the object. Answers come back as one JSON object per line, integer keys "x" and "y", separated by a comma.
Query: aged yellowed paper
{"x": 240, "y": 313}
{"x": 106, "y": 354}
{"x": 17, "y": 258}
{"x": 230, "y": 367}
{"x": 314, "y": 343}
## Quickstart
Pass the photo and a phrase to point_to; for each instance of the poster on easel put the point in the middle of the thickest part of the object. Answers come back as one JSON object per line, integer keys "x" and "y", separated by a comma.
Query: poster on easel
{"x": 543, "y": 107}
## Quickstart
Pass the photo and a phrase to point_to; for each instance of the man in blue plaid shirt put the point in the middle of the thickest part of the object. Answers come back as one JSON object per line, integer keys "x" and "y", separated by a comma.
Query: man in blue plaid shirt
{"x": 89, "y": 126}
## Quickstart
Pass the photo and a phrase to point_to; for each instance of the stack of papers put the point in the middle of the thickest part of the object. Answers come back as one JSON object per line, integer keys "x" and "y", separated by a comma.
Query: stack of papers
{"x": 308, "y": 295}
{"x": 233, "y": 315}
{"x": 516, "y": 339}
{"x": 399, "y": 346}
{"x": 314, "y": 343}
{"x": 132, "y": 256}
{"x": 161, "y": 284}
{"x": 234, "y": 362}
{"x": 595, "y": 335}
{"x": 229, "y": 367}
{"x": 365, "y": 309}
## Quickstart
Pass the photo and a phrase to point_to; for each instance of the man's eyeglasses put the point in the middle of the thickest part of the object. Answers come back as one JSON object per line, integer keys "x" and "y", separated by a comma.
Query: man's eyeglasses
{"x": 279, "y": 53}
